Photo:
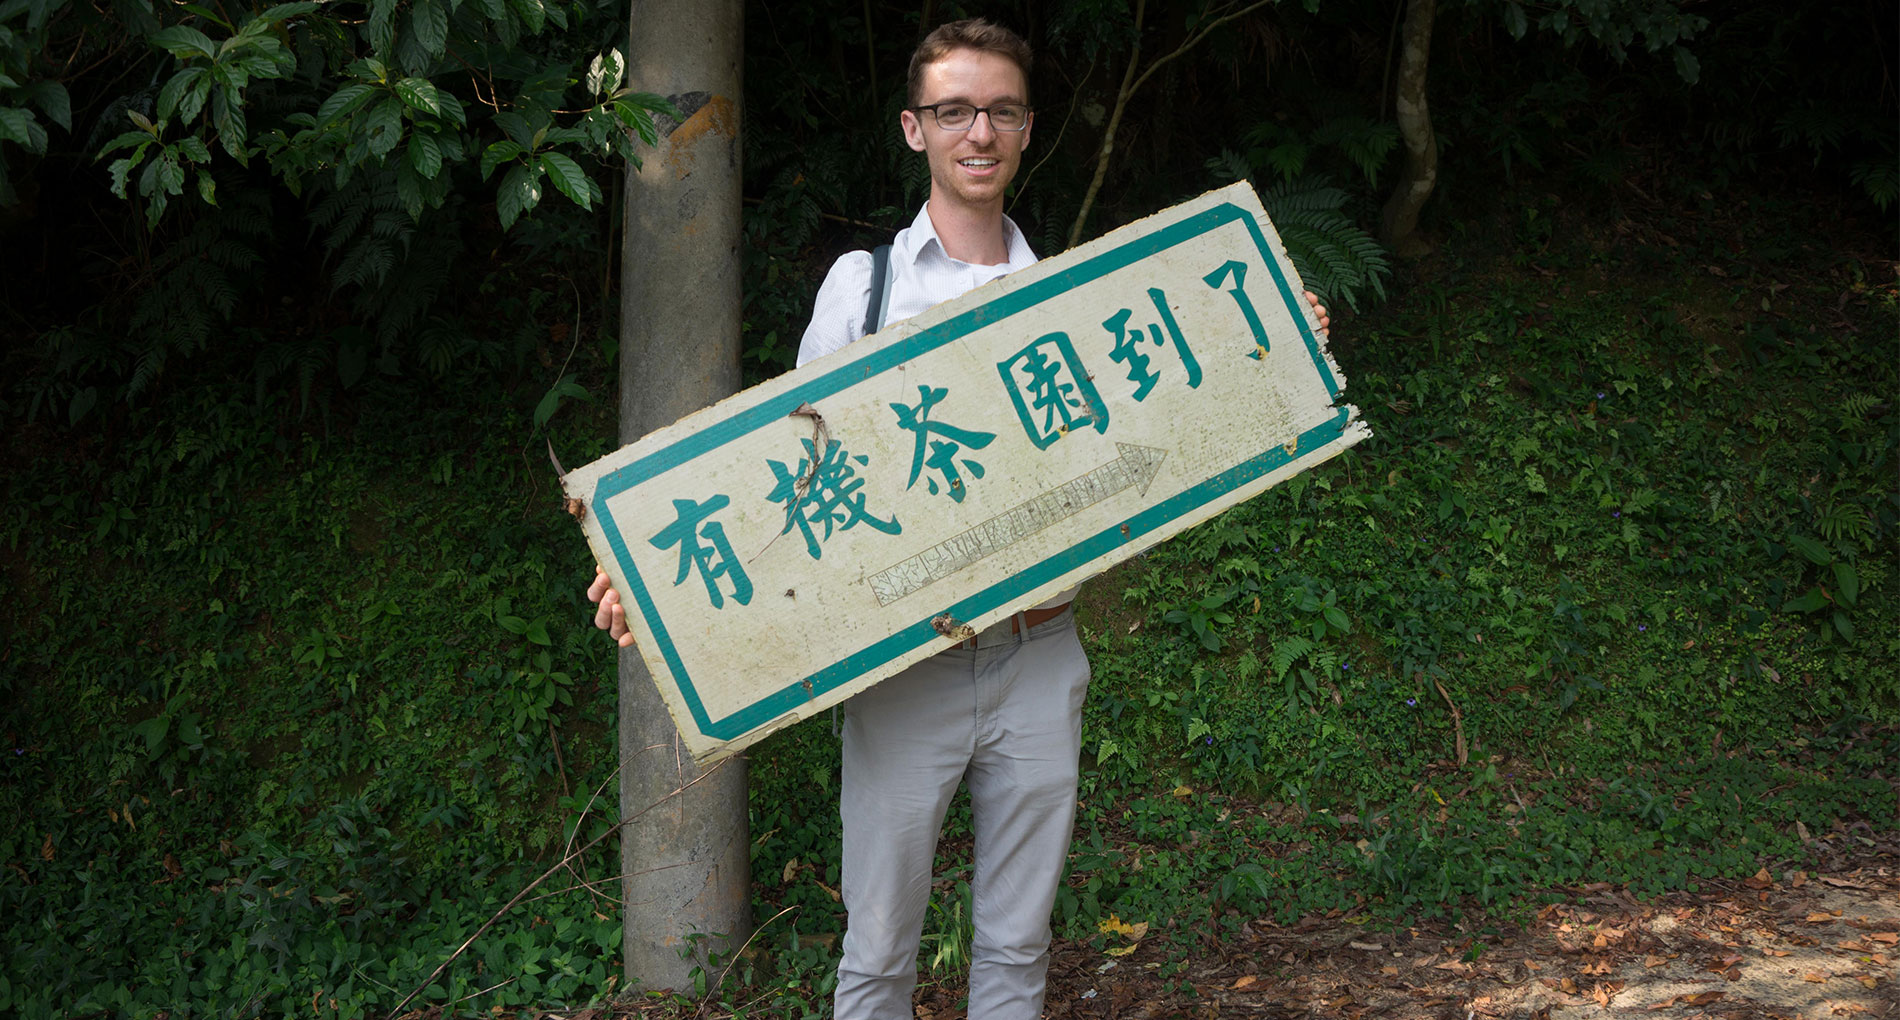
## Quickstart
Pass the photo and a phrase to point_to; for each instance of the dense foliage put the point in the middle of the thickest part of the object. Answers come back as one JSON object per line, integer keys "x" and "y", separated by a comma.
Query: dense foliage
{"x": 298, "y": 692}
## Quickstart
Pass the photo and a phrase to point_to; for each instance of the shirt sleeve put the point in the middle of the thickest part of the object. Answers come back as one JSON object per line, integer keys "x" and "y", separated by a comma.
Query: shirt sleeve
{"x": 837, "y": 316}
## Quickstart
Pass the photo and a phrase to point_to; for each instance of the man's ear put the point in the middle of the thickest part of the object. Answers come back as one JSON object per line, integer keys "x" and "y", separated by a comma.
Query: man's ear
{"x": 913, "y": 130}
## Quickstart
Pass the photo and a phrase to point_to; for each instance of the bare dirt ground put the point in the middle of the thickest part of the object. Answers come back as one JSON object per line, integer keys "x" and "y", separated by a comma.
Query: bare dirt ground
{"x": 1814, "y": 947}
{"x": 1817, "y": 945}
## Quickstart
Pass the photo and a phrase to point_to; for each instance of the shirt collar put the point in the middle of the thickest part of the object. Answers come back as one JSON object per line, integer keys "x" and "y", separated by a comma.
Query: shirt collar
{"x": 922, "y": 235}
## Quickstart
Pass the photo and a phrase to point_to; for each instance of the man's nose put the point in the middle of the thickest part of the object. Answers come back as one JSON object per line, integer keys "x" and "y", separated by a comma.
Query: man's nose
{"x": 981, "y": 130}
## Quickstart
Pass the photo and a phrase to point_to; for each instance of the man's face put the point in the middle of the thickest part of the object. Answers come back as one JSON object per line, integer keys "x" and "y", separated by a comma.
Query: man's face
{"x": 969, "y": 168}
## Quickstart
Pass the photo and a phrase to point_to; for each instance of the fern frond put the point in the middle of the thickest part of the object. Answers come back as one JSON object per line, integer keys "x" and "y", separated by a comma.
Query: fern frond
{"x": 1879, "y": 179}
{"x": 1288, "y": 651}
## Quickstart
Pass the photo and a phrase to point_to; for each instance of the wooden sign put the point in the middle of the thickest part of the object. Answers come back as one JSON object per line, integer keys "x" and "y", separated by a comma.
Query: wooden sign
{"x": 794, "y": 544}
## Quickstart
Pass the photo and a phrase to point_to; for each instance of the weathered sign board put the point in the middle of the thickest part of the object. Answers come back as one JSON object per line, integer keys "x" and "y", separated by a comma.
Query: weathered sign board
{"x": 794, "y": 544}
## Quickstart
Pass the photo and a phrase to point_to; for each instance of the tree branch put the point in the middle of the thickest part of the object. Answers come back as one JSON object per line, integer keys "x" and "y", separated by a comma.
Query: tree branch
{"x": 1130, "y": 84}
{"x": 545, "y": 875}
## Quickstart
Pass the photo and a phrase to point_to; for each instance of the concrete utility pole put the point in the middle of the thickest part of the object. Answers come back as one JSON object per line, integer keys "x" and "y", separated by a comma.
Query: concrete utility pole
{"x": 686, "y": 860}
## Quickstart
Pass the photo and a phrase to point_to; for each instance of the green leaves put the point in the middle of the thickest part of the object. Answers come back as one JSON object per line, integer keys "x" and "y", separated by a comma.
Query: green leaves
{"x": 184, "y": 94}
{"x": 345, "y": 101}
{"x": 425, "y": 155}
{"x": 604, "y": 71}
{"x": 429, "y": 20}
{"x": 520, "y": 192}
{"x": 186, "y": 42}
{"x": 569, "y": 178}
{"x": 382, "y": 127}
{"x": 520, "y": 188}
{"x": 532, "y": 13}
{"x": 550, "y": 403}
{"x": 1841, "y": 598}
{"x": 380, "y": 111}
{"x": 19, "y": 126}
{"x": 419, "y": 95}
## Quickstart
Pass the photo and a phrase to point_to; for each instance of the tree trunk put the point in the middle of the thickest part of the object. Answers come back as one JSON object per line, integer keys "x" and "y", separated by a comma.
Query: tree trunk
{"x": 685, "y": 861}
{"x": 1399, "y": 224}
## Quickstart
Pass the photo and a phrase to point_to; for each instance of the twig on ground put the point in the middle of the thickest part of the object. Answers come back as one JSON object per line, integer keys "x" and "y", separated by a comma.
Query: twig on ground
{"x": 1457, "y": 720}
{"x": 713, "y": 988}
{"x": 531, "y": 886}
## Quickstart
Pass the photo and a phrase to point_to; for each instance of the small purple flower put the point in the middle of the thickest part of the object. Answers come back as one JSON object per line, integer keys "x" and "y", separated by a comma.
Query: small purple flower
{"x": 1412, "y": 702}
{"x": 1599, "y": 394}
{"x": 1345, "y": 667}
{"x": 1616, "y": 513}
{"x": 1642, "y": 626}
{"x": 1276, "y": 548}
{"x": 1209, "y": 741}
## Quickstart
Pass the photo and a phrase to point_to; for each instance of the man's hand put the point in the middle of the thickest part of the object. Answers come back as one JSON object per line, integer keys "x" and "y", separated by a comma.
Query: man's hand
{"x": 1319, "y": 312}
{"x": 609, "y": 615}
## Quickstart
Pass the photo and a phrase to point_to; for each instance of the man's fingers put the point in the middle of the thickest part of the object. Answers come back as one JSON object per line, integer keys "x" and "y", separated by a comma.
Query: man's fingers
{"x": 603, "y": 613}
{"x": 1319, "y": 312}
{"x": 620, "y": 633}
{"x": 601, "y": 586}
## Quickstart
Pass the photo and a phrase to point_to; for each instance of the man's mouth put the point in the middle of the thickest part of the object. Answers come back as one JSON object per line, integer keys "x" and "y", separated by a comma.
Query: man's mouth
{"x": 977, "y": 162}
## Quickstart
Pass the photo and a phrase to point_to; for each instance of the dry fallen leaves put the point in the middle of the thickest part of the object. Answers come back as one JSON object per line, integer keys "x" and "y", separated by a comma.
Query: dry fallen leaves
{"x": 1134, "y": 933}
{"x": 1698, "y": 999}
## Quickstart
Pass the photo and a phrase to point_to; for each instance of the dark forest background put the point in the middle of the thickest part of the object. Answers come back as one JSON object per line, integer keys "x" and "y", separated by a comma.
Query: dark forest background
{"x": 298, "y": 684}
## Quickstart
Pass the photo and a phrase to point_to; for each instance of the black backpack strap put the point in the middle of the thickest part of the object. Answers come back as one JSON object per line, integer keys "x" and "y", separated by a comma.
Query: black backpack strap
{"x": 880, "y": 301}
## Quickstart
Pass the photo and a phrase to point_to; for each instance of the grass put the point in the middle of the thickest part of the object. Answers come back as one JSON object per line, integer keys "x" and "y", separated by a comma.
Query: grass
{"x": 296, "y": 704}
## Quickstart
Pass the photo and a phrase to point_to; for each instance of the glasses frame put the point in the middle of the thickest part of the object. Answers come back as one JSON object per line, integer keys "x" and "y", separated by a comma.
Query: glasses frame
{"x": 1029, "y": 114}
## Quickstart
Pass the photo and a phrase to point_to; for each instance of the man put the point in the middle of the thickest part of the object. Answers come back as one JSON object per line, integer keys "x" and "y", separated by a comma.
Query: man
{"x": 1002, "y": 711}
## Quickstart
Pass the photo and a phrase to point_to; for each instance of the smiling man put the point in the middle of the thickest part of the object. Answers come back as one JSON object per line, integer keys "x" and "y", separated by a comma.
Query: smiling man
{"x": 1001, "y": 712}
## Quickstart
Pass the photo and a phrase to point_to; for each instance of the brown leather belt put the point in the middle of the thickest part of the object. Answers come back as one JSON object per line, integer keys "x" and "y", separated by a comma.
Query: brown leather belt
{"x": 1035, "y": 617}
{"x": 1025, "y": 620}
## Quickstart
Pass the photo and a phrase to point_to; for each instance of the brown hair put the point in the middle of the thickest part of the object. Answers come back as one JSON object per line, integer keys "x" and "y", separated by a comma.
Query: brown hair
{"x": 968, "y": 34}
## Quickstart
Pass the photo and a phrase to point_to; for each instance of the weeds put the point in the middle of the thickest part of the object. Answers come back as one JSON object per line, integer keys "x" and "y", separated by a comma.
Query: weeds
{"x": 291, "y": 711}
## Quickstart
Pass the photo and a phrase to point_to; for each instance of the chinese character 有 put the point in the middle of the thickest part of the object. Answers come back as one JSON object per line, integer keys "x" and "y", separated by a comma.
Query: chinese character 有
{"x": 713, "y": 561}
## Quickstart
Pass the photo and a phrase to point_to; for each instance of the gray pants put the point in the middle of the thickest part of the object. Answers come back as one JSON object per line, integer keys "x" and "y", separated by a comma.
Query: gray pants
{"x": 1006, "y": 717}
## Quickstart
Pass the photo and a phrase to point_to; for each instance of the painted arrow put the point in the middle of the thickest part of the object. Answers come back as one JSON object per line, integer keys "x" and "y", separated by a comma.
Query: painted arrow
{"x": 1133, "y": 469}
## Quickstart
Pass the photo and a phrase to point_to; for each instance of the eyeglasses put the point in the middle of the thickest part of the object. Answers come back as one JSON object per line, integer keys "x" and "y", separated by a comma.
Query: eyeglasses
{"x": 961, "y": 116}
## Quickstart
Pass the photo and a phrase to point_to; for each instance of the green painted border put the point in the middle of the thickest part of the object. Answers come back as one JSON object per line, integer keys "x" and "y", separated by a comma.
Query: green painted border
{"x": 774, "y": 410}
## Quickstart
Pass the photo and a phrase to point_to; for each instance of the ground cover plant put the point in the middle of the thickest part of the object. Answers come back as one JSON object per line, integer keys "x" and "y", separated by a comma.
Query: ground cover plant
{"x": 334, "y": 702}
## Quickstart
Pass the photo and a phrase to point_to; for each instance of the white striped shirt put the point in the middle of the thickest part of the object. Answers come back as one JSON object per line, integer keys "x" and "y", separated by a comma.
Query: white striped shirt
{"x": 921, "y": 275}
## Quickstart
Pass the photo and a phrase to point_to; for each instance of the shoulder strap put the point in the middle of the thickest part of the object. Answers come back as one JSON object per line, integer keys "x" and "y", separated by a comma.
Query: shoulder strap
{"x": 880, "y": 301}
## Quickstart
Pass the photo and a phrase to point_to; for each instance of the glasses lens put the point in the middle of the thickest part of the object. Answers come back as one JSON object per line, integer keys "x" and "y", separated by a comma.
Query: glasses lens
{"x": 955, "y": 116}
{"x": 1009, "y": 118}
